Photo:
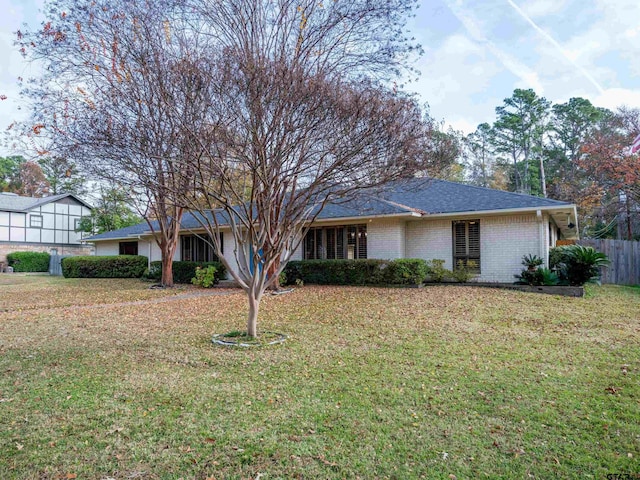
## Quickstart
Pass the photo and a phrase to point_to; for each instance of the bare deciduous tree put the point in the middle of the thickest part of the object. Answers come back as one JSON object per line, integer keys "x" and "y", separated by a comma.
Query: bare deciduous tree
{"x": 254, "y": 114}
{"x": 297, "y": 108}
{"x": 117, "y": 93}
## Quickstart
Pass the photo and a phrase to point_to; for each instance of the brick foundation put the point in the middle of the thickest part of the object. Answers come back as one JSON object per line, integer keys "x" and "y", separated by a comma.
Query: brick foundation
{"x": 8, "y": 247}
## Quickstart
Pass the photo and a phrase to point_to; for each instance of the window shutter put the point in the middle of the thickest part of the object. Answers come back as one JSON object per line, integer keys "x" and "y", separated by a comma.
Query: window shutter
{"x": 460, "y": 240}
{"x": 474, "y": 240}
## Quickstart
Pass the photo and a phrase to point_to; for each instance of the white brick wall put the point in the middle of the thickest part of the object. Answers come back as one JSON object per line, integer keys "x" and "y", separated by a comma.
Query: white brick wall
{"x": 386, "y": 239}
{"x": 107, "y": 248}
{"x": 113, "y": 248}
{"x": 430, "y": 239}
{"x": 503, "y": 242}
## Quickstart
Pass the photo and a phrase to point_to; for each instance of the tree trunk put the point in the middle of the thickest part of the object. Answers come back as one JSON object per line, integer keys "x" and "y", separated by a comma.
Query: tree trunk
{"x": 543, "y": 178}
{"x": 252, "y": 320}
{"x": 167, "y": 268}
{"x": 275, "y": 286}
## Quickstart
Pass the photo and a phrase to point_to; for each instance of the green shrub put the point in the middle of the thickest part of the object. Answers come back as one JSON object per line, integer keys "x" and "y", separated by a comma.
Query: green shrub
{"x": 539, "y": 276}
{"x": 356, "y": 272}
{"x": 118, "y": 266}
{"x": 29, "y": 261}
{"x": 584, "y": 264}
{"x": 205, "y": 277}
{"x": 183, "y": 272}
{"x": 548, "y": 277}
{"x": 532, "y": 261}
{"x": 436, "y": 271}
{"x": 405, "y": 271}
{"x": 576, "y": 264}
{"x": 464, "y": 272}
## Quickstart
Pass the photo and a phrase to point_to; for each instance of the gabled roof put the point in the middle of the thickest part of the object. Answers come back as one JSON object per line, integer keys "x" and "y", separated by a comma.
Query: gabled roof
{"x": 16, "y": 203}
{"x": 417, "y": 197}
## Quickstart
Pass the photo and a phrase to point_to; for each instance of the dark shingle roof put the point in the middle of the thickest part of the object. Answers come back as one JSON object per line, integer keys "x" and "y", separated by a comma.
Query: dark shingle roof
{"x": 440, "y": 196}
{"x": 423, "y": 196}
{"x": 16, "y": 203}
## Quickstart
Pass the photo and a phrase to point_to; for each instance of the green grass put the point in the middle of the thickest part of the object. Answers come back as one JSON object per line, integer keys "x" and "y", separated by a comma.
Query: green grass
{"x": 372, "y": 383}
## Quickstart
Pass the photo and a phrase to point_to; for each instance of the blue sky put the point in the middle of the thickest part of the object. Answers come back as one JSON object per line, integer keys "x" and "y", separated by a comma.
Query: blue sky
{"x": 476, "y": 54}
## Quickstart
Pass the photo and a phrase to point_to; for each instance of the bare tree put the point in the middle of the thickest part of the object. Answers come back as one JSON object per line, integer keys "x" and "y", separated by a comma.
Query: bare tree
{"x": 296, "y": 106}
{"x": 201, "y": 104}
{"x": 117, "y": 94}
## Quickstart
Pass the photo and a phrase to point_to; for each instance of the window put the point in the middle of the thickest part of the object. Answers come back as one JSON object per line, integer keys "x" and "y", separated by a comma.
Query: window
{"x": 128, "y": 248}
{"x": 197, "y": 248}
{"x": 466, "y": 244}
{"x": 35, "y": 221}
{"x": 335, "y": 243}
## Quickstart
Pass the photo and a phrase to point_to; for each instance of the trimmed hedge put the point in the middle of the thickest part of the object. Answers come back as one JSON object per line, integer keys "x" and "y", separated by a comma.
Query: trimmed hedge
{"x": 119, "y": 266}
{"x": 29, "y": 261}
{"x": 406, "y": 271}
{"x": 183, "y": 272}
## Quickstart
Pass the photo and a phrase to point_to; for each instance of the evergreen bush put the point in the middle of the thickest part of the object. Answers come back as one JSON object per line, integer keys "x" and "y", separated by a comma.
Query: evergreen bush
{"x": 183, "y": 272}
{"x": 29, "y": 261}
{"x": 118, "y": 266}
{"x": 408, "y": 271}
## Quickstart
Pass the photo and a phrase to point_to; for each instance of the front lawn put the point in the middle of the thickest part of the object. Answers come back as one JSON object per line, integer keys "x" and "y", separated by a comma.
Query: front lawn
{"x": 441, "y": 382}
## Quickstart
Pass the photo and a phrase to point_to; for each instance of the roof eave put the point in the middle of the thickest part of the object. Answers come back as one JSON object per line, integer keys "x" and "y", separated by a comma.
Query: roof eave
{"x": 500, "y": 211}
{"x": 367, "y": 217}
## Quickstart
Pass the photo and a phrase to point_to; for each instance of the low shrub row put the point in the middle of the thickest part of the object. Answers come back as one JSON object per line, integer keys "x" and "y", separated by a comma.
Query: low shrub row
{"x": 29, "y": 261}
{"x": 410, "y": 271}
{"x": 120, "y": 266}
{"x": 437, "y": 273}
{"x": 183, "y": 272}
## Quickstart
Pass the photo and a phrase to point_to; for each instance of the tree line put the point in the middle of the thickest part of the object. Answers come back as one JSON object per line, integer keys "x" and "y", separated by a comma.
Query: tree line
{"x": 572, "y": 151}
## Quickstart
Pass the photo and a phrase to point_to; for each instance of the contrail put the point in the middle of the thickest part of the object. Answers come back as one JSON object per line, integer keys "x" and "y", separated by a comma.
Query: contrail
{"x": 553, "y": 42}
{"x": 527, "y": 75}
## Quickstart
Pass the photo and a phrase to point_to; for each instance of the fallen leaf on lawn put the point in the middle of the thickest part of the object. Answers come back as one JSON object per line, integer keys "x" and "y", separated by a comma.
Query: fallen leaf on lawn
{"x": 19, "y": 446}
{"x": 325, "y": 461}
{"x": 209, "y": 440}
{"x": 71, "y": 476}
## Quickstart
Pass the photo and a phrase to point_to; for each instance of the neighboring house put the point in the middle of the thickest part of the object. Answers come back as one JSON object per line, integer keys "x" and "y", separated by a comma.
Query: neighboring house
{"x": 40, "y": 224}
{"x": 418, "y": 218}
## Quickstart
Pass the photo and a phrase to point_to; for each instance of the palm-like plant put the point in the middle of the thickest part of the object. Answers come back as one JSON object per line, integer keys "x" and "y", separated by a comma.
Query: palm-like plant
{"x": 584, "y": 264}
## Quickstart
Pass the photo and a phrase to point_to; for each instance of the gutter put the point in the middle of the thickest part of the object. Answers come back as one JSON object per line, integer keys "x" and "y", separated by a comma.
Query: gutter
{"x": 505, "y": 211}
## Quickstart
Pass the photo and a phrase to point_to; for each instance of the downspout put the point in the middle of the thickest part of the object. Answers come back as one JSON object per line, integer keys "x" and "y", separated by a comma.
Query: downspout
{"x": 541, "y": 240}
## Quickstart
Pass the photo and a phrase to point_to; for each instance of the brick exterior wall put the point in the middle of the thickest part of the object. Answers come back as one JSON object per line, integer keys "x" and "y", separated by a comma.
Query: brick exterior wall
{"x": 503, "y": 242}
{"x": 8, "y": 247}
{"x": 430, "y": 240}
{"x": 386, "y": 238}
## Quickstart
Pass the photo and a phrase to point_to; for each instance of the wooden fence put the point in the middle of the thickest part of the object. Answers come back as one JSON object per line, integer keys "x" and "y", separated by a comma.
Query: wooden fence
{"x": 625, "y": 260}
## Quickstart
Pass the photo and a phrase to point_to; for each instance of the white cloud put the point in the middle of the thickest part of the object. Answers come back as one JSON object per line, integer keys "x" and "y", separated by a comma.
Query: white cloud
{"x": 542, "y": 8}
{"x": 616, "y": 97}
